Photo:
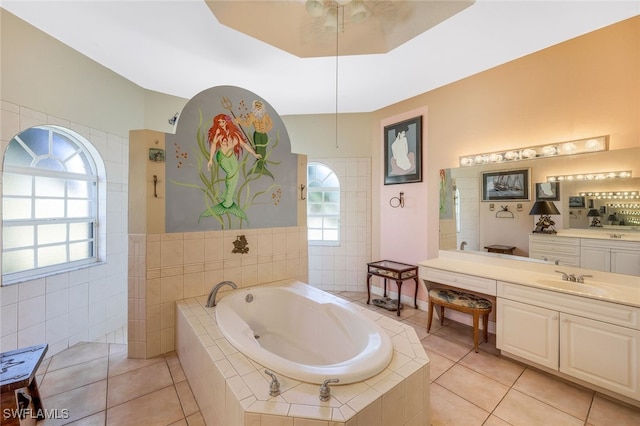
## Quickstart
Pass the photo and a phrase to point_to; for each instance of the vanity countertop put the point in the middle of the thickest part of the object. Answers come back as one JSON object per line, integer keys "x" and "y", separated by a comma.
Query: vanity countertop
{"x": 615, "y": 233}
{"x": 605, "y": 286}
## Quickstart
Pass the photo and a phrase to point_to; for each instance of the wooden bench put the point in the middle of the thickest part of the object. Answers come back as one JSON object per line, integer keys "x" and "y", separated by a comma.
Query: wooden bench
{"x": 18, "y": 385}
{"x": 462, "y": 302}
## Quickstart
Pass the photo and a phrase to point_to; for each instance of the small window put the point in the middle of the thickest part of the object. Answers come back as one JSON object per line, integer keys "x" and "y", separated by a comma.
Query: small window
{"x": 323, "y": 205}
{"x": 49, "y": 204}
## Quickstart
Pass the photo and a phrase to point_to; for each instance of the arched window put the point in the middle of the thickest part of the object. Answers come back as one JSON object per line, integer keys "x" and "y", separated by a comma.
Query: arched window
{"x": 323, "y": 205}
{"x": 49, "y": 203}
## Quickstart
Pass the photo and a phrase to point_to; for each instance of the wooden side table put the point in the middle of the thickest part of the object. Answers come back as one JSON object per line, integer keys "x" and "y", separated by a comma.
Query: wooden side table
{"x": 18, "y": 370}
{"x": 499, "y": 248}
{"x": 397, "y": 271}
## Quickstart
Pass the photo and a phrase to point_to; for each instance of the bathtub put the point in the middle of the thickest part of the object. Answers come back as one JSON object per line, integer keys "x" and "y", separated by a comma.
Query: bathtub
{"x": 304, "y": 333}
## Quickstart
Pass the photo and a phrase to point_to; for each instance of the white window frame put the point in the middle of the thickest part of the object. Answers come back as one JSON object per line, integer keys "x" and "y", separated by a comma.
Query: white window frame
{"x": 323, "y": 189}
{"x": 34, "y": 171}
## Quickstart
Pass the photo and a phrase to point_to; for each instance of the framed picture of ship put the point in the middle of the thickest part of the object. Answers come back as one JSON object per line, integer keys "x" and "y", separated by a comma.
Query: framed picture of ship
{"x": 506, "y": 185}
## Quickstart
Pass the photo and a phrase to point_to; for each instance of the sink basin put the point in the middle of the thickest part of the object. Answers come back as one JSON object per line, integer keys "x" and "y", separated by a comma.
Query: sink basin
{"x": 584, "y": 288}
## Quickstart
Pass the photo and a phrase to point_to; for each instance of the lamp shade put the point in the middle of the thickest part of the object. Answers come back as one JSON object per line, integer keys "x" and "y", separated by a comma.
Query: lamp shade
{"x": 612, "y": 218}
{"x": 593, "y": 213}
{"x": 544, "y": 207}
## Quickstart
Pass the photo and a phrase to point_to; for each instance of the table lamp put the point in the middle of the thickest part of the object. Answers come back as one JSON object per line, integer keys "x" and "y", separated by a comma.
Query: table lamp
{"x": 545, "y": 209}
{"x": 595, "y": 215}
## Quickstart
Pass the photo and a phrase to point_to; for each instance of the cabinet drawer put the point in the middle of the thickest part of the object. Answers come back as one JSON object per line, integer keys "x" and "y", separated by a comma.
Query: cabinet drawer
{"x": 454, "y": 279}
{"x": 562, "y": 259}
{"x": 613, "y": 313}
{"x": 566, "y": 249}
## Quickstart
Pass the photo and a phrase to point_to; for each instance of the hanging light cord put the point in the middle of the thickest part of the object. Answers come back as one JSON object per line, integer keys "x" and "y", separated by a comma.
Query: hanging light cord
{"x": 337, "y": 55}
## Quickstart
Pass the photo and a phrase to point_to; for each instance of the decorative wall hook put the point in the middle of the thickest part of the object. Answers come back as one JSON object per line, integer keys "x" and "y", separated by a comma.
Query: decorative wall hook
{"x": 396, "y": 202}
{"x": 155, "y": 186}
{"x": 302, "y": 187}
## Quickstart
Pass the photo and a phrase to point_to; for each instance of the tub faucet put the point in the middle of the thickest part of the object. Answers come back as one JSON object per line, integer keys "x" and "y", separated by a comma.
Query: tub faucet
{"x": 462, "y": 244}
{"x": 211, "y": 301}
{"x": 325, "y": 391}
{"x": 274, "y": 387}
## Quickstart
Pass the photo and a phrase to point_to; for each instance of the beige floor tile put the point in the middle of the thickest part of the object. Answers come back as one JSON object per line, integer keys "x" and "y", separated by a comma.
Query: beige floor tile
{"x": 177, "y": 374}
{"x": 97, "y": 419}
{"x": 181, "y": 422}
{"x": 421, "y": 332}
{"x": 77, "y": 354}
{"x": 499, "y": 369}
{"x": 187, "y": 400}
{"x": 523, "y": 410}
{"x": 453, "y": 350}
{"x": 80, "y": 402}
{"x": 135, "y": 383}
{"x": 42, "y": 368}
{"x": 117, "y": 349}
{"x": 420, "y": 319}
{"x": 74, "y": 376}
{"x": 476, "y": 388}
{"x": 438, "y": 365}
{"x": 154, "y": 409}
{"x": 495, "y": 421}
{"x": 119, "y": 363}
{"x": 459, "y": 332}
{"x": 605, "y": 411}
{"x": 447, "y": 408}
{"x": 569, "y": 398}
{"x": 196, "y": 420}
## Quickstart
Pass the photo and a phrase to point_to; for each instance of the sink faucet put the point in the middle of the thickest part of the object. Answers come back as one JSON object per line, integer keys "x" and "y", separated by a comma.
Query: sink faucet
{"x": 568, "y": 277}
{"x": 580, "y": 278}
{"x": 211, "y": 301}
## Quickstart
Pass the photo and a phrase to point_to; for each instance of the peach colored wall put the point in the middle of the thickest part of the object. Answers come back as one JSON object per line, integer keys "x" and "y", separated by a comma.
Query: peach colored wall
{"x": 583, "y": 87}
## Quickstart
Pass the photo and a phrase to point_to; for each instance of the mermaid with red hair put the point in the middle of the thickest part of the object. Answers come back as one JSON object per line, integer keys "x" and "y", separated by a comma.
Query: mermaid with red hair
{"x": 226, "y": 141}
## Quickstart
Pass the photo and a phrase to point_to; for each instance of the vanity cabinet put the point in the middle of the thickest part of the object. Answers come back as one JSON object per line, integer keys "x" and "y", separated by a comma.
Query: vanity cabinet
{"x": 551, "y": 248}
{"x": 599, "y": 254}
{"x": 591, "y": 340}
{"x": 622, "y": 257}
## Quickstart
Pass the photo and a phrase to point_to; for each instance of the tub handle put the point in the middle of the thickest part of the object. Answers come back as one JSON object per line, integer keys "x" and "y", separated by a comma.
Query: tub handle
{"x": 274, "y": 387}
{"x": 325, "y": 391}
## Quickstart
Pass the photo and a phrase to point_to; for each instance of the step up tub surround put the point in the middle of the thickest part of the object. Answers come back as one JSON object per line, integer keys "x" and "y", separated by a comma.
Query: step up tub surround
{"x": 233, "y": 389}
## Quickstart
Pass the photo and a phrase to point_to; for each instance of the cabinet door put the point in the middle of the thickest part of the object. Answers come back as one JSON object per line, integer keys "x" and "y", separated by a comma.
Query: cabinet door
{"x": 625, "y": 261}
{"x": 597, "y": 258}
{"x": 528, "y": 331}
{"x": 600, "y": 353}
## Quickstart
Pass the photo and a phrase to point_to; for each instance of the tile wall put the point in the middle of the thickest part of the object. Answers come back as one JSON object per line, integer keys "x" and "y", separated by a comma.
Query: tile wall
{"x": 87, "y": 304}
{"x": 343, "y": 268}
{"x": 164, "y": 268}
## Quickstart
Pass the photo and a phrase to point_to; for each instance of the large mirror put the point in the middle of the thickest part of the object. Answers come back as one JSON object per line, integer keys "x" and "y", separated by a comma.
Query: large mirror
{"x": 468, "y": 223}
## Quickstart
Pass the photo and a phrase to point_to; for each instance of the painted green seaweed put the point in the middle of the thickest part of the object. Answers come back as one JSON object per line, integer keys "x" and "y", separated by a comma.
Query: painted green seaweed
{"x": 212, "y": 182}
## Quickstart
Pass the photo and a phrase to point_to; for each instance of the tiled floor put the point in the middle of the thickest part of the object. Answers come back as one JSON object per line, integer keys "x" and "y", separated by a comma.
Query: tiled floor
{"x": 99, "y": 385}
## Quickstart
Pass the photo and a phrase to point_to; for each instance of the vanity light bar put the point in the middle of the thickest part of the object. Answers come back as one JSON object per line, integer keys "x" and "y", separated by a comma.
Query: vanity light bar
{"x": 612, "y": 195}
{"x": 590, "y": 176}
{"x": 600, "y": 143}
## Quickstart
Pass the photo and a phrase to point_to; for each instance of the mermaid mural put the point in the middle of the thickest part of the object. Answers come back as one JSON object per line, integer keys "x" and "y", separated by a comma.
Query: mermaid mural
{"x": 232, "y": 168}
{"x": 226, "y": 142}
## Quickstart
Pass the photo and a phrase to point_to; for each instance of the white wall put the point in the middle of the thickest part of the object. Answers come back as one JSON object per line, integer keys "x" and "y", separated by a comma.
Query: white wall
{"x": 82, "y": 305}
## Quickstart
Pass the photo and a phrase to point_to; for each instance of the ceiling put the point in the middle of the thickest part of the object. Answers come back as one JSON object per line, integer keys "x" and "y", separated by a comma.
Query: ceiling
{"x": 180, "y": 48}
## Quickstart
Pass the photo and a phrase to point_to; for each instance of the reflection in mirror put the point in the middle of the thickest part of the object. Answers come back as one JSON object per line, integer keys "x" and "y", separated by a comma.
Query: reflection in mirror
{"x": 468, "y": 223}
